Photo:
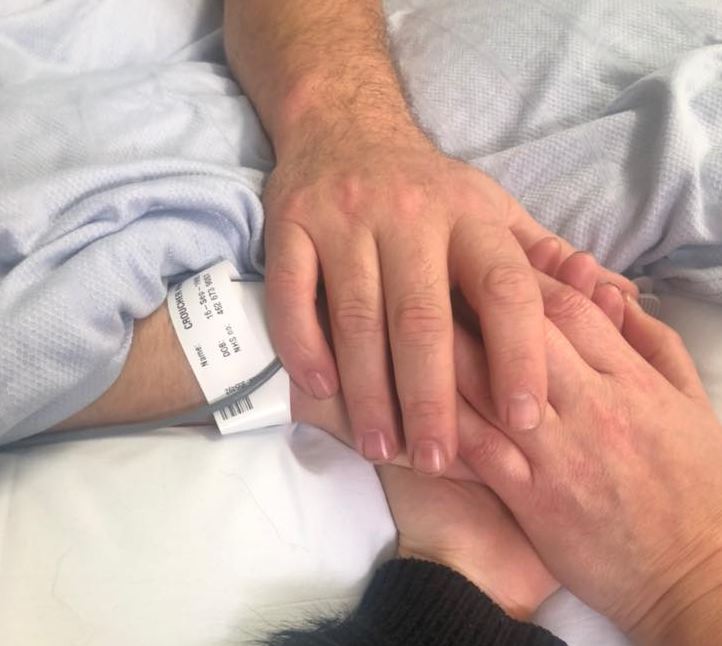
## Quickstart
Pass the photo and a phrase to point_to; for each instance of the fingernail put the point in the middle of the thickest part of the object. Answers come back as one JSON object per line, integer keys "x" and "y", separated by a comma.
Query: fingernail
{"x": 428, "y": 458}
{"x": 631, "y": 300}
{"x": 617, "y": 290}
{"x": 374, "y": 446}
{"x": 552, "y": 241}
{"x": 523, "y": 413}
{"x": 320, "y": 387}
{"x": 609, "y": 284}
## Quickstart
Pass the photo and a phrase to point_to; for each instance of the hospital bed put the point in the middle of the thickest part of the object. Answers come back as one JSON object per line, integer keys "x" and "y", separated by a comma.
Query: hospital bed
{"x": 179, "y": 537}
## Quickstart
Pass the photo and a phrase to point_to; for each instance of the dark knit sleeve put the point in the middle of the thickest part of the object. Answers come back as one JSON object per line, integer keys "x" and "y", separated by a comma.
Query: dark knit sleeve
{"x": 417, "y": 603}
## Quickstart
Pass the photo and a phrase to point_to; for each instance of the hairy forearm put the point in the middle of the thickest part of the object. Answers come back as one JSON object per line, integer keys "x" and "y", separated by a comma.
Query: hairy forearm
{"x": 156, "y": 380}
{"x": 296, "y": 58}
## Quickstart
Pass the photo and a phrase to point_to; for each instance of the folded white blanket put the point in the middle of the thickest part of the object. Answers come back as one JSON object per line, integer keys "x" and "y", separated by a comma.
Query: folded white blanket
{"x": 130, "y": 157}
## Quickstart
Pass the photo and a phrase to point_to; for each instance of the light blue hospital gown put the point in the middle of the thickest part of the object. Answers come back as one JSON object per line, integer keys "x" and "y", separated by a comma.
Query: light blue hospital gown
{"x": 125, "y": 167}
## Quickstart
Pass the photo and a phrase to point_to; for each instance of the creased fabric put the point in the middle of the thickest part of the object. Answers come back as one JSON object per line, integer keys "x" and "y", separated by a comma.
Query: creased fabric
{"x": 129, "y": 157}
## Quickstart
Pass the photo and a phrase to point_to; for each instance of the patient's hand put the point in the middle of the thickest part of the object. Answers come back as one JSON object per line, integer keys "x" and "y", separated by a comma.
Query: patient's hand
{"x": 157, "y": 382}
{"x": 579, "y": 270}
{"x": 331, "y": 415}
{"x": 464, "y": 526}
{"x": 620, "y": 490}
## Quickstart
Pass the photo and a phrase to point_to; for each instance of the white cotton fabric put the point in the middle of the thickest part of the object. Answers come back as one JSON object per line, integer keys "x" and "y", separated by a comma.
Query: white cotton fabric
{"x": 184, "y": 538}
{"x": 603, "y": 117}
{"x": 131, "y": 157}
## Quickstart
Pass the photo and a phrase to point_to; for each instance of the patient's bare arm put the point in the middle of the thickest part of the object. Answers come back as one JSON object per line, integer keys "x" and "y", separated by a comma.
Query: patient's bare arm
{"x": 156, "y": 381}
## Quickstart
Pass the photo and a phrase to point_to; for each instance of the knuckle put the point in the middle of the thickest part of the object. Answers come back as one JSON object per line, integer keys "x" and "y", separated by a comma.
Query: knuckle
{"x": 296, "y": 351}
{"x": 296, "y": 356}
{"x": 423, "y": 409}
{"x": 369, "y": 405}
{"x": 471, "y": 195}
{"x": 419, "y": 321}
{"x": 517, "y": 361}
{"x": 356, "y": 318}
{"x": 481, "y": 195}
{"x": 483, "y": 451}
{"x": 409, "y": 200}
{"x": 566, "y": 303}
{"x": 349, "y": 194}
{"x": 510, "y": 283}
{"x": 283, "y": 277}
{"x": 292, "y": 206}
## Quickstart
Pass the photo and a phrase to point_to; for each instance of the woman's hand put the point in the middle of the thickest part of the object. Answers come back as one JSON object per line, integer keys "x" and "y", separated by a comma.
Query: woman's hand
{"x": 331, "y": 415}
{"x": 458, "y": 523}
{"x": 464, "y": 526}
{"x": 579, "y": 270}
{"x": 620, "y": 489}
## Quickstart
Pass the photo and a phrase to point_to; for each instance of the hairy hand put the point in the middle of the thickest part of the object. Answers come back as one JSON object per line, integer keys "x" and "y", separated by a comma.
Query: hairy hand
{"x": 391, "y": 224}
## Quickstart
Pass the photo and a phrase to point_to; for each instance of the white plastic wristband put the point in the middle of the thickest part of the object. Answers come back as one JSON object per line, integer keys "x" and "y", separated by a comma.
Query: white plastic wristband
{"x": 220, "y": 323}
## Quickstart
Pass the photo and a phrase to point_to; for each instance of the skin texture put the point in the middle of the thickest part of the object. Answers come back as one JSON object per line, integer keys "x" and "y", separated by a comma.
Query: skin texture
{"x": 620, "y": 489}
{"x": 362, "y": 201}
{"x": 156, "y": 381}
{"x": 464, "y": 526}
{"x": 615, "y": 480}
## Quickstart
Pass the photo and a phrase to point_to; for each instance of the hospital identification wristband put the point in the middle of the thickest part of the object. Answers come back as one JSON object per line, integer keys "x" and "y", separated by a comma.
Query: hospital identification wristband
{"x": 220, "y": 323}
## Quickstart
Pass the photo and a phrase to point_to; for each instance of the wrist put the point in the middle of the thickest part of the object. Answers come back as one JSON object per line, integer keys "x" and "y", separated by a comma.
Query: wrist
{"x": 331, "y": 105}
{"x": 156, "y": 380}
{"x": 690, "y": 612}
{"x": 516, "y": 608}
{"x": 421, "y": 602}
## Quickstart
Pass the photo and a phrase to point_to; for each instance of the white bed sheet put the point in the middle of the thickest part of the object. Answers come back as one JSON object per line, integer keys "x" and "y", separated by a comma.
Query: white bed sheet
{"x": 181, "y": 538}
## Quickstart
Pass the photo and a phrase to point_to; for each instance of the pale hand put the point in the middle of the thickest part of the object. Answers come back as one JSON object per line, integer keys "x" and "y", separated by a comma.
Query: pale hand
{"x": 464, "y": 526}
{"x": 620, "y": 489}
{"x": 457, "y": 523}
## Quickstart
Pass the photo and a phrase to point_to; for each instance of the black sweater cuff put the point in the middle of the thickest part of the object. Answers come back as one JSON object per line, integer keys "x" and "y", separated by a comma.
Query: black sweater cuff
{"x": 418, "y": 603}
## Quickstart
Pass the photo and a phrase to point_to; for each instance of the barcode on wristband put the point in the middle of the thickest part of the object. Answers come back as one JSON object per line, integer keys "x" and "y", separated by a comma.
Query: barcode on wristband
{"x": 236, "y": 408}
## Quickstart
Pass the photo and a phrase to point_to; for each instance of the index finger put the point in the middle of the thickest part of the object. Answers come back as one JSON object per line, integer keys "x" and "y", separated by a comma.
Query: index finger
{"x": 294, "y": 327}
{"x": 500, "y": 285}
